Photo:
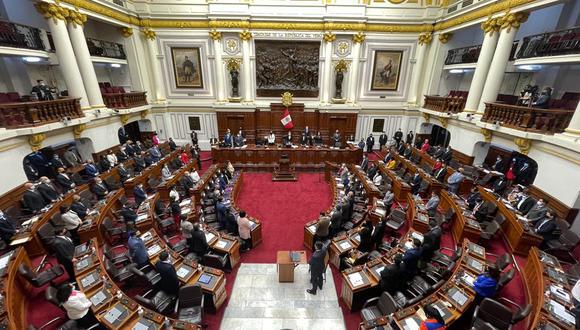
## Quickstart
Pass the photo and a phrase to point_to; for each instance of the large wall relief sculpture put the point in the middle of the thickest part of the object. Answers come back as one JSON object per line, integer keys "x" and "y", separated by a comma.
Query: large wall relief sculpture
{"x": 287, "y": 66}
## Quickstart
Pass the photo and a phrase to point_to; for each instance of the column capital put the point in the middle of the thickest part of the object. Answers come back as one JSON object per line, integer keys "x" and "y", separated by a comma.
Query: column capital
{"x": 329, "y": 36}
{"x": 490, "y": 26}
{"x": 445, "y": 37}
{"x": 51, "y": 10}
{"x": 126, "y": 32}
{"x": 78, "y": 129}
{"x": 523, "y": 144}
{"x": 425, "y": 38}
{"x": 215, "y": 35}
{"x": 35, "y": 141}
{"x": 124, "y": 119}
{"x": 149, "y": 34}
{"x": 245, "y": 35}
{"x": 75, "y": 17}
{"x": 512, "y": 20}
{"x": 359, "y": 38}
{"x": 486, "y": 134}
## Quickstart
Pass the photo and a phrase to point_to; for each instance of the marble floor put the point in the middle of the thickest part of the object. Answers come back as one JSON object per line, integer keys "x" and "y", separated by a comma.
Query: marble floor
{"x": 259, "y": 301}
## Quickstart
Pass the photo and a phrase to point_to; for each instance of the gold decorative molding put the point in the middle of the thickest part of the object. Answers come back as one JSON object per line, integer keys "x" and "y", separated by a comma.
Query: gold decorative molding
{"x": 523, "y": 144}
{"x": 78, "y": 129}
{"x": 486, "y": 134}
{"x": 426, "y": 116}
{"x": 126, "y": 32}
{"x": 359, "y": 38}
{"x": 35, "y": 141}
{"x": 425, "y": 38}
{"x": 215, "y": 35}
{"x": 144, "y": 113}
{"x": 287, "y": 99}
{"x": 490, "y": 26}
{"x": 149, "y": 34}
{"x": 341, "y": 66}
{"x": 124, "y": 119}
{"x": 444, "y": 121}
{"x": 329, "y": 36}
{"x": 245, "y": 35}
{"x": 76, "y": 18}
{"x": 51, "y": 10}
{"x": 445, "y": 37}
{"x": 233, "y": 63}
{"x": 512, "y": 20}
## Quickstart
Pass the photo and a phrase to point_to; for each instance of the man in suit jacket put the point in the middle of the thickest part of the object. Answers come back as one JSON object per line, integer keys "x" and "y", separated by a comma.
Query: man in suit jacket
{"x": 42, "y": 91}
{"x": 412, "y": 257}
{"x": 64, "y": 180}
{"x": 409, "y": 138}
{"x": 317, "y": 266}
{"x": 140, "y": 194}
{"x": 78, "y": 207}
{"x": 139, "y": 163}
{"x": 415, "y": 183}
{"x": 393, "y": 276}
{"x": 546, "y": 228}
{"x": 100, "y": 189}
{"x": 379, "y": 232}
{"x": 169, "y": 281}
{"x": 398, "y": 136}
{"x": 7, "y": 228}
{"x": 198, "y": 243}
{"x": 372, "y": 170}
{"x": 155, "y": 154}
{"x": 438, "y": 152}
{"x": 440, "y": 173}
{"x": 65, "y": 251}
{"x": 500, "y": 186}
{"x": 481, "y": 210}
{"x": 431, "y": 242}
{"x": 447, "y": 155}
{"x": 383, "y": 138}
{"x": 128, "y": 214}
{"x": 455, "y": 180}
{"x": 124, "y": 174}
{"x": 70, "y": 157}
{"x": 537, "y": 212}
{"x": 364, "y": 165}
{"x": 32, "y": 199}
{"x": 472, "y": 198}
{"x": 90, "y": 169}
{"x": 525, "y": 203}
{"x": 137, "y": 250}
{"x": 228, "y": 141}
{"x": 172, "y": 145}
{"x": 432, "y": 204}
{"x": 47, "y": 191}
{"x": 336, "y": 139}
{"x": 336, "y": 220}
{"x": 402, "y": 148}
{"x": 122, "y": 155}
{"x": 370, "y": 143}
{"x": 499, "y": 164}
{"x": 322, "y": 227}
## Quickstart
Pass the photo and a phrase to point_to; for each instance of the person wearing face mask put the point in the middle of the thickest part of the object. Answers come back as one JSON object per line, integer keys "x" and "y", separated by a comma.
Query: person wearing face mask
{"x": 47, "y": 191}
{"x": 32, "y": 199}
{"x": 537, "y": 212}
{"x": 100, "y": 189}
{"x": 42, "y": 91}
{"x": 169, "y": 282}
{"x": 499, "y": 164}
{"x": 543, "y": 101}
{"x": 140, "y": 194}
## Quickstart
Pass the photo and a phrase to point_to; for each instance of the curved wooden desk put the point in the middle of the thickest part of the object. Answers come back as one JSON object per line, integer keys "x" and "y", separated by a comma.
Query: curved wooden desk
{"x": 462, "y": 226}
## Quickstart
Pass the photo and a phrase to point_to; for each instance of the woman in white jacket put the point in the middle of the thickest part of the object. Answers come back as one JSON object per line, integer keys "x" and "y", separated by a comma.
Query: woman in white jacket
{"x": 77, "y": 306}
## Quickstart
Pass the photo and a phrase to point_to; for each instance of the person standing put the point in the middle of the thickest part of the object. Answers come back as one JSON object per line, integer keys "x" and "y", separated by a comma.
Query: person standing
{"x": 193, "y": 136}
{"x": 336, "y": 139}
{"x": 169, "y": 282}
{"x": 199, "y": 241}
{"x": 398, "y": 136}
{"x": 77, "y": 307}
{"x": 409, "y": 138}
{"x": 137, "y": 250}
{"x": 7, "y": 228}
{"x": 432, "y": 204}
{"x": 245, "y": 230}
{"x": 65, "y": 251}
{"x": 455, "y": 180}
{"x": 317, "y": 266}
{"x": 322, "y": 227}
{"x": 72, "y": 222}
{"x": 370, "y": 143}
{"x": 383, "y": 138}
{"x": 41, "y": 91}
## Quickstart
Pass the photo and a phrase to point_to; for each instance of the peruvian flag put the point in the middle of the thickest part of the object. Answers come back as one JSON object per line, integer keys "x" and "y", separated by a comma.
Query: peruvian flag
{"x": 286, "y": 119}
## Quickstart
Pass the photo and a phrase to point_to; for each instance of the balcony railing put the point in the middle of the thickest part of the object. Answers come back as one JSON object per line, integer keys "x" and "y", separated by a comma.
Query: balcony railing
{"x": 21, "y": 36}
{"x": 27, "y": 114}
{"x": 125, "y": 100}
{"x": 545, "y": 121}
{"x": 106, "y": 49}
{"x": 562, "y": 42}
{"x": 470, "y": 54}
{"x": 446, "y": 104}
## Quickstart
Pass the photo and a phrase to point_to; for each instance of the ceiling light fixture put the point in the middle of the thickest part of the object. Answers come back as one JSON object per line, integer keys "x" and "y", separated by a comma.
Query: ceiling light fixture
{"x": 31, "y": 59}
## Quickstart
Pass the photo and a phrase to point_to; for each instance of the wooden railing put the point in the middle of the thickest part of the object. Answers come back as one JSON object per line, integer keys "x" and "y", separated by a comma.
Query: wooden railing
{"x": 545, "y": 121}
{"x": 104, "y": 48}
{"x": 21, "y": 36}
{"x": 452, "y": 104}
{"x": 26, "y": 114}
{"x": 125, "y": 100}
{"x": 562, "y": 42}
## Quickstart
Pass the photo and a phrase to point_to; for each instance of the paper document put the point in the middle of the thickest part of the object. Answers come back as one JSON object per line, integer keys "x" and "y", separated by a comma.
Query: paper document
{"x": 459, "y": 297}
{"x": 312, "y": 228}
{"x": 209, "y": 236}
{"x": 355, "y": 279}
{"x": 379, "y": 270}
{"x": 345, "y": 245}
{"x": 88, "y": 280}
{"x": 560, "y": 311}
{"x": 221, "y": 244}
{"x": 98, "y": 298}
{"x": 560, "y": 293}
{"x": 154, "y": 249}
{"x": 113, "y": 315}
{"x": 21, "y": 240}
{"x": 182, "y": 272}
{"x": 410, "y": 324}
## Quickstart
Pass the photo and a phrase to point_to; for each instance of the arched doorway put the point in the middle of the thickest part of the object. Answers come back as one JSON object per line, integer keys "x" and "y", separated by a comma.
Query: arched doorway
{"x": 524, "y": 168}
{"x": 139, "y": 130}
{"x": 439, "y": 136}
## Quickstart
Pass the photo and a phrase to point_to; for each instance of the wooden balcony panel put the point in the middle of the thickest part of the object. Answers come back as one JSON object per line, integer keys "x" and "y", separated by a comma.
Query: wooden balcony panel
{"x": 27, "y": 114}
{"x": 544, "y": 121}
{"x": 445, "y": 104}
{"x": 125, "y": 100}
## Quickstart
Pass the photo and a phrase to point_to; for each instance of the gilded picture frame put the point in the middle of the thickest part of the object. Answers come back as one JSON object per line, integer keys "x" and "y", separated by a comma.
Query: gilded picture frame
{"x": 187, "y": 67}
{"x": 386, "y": 70}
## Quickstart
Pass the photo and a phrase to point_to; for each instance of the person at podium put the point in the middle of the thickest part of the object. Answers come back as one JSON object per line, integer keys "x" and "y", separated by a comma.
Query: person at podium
{"x": 239, "y": 140}
{"x": 336, "y": 139}
{"x": 271, "y": 138}
{"x": 304, "y": 140}
{"x": 228, "y": 139}
{"x": 318, "y": 139}
{"x": 288, "y": 139}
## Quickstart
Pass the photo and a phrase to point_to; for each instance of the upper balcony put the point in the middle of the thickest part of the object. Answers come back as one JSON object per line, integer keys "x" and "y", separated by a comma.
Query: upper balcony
{"x": 466, "y": 57}
{"x": 115, "y": 97}
{"x": 562, "y": 46}
{"x": 106, "y": 51}
{"x": 15, "y": 115}
{"x": 18, "y": 39}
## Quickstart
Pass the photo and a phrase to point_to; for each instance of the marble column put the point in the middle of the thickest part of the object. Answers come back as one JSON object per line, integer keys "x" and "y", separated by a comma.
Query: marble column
{"x": 246, "y": 36}
{"x": 56, "y": 19}
{"x": 573, "y": 128}
{"x": 491, "y": 34}
{"x": 422, "y": 45}
{"x": 353, "y": 84}
{"x": 509, "y": 25}
{"x": 326, "y": 88}
{"x": 137, "y": 60}
{"x": 219, "y": 66}
{"x": 159, "y": 85}
{"x": 76, "y": 21}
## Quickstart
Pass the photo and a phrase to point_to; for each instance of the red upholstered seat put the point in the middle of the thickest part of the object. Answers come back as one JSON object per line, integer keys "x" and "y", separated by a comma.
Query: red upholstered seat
{"x": 13, "y": 96}
{"x": 4, "y": 98}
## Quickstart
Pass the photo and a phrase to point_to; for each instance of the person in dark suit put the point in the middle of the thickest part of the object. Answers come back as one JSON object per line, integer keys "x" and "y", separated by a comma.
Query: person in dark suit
{"x": 500, "y": 186}
{"x": 124, "y": 174}
{"x": 317, "y": 139}
{"x": 499, "y": 164}
{"x": 139, "y": 163}
{"x": 472, "y": 198}
{"x": 370, "y": 143}
{"x": 169, "y": 282}
{"x": 7, "y": 228}
{"x": 65, "y": 251}
{"x": 322, "y": 227}
{"x": 364, "y": 165}
{"x": 336, "y": 139}
{"x": 393, "y": 276}
{"x": 447, "y": 155}
{"x": 90, "y": 169}
{"x": 383, "y": 138}
{"x": 440, "y": 173}
{"x": 198, "y": 243}
{"x": 137, "y": 250}
{"x": 525, "y": 203}
{"x": 148, "y": 159}
{"x": 415, "y": 183}
{"x": 379, "y": 232}
{"x": 366, "y": 241}
{"x": 172, "y": 145}
{"x": 537, "y": 212}
{"x": 78, "y": 207}
{"x": 32, "y": 199}
{"x": 193, "y": 136}
{"x": 128, "y": 213}
{"x": 64, "y": 180}
{"x": 336, "y": 220}
{"x": 42, "y": 91}
{"x": 546, "y": 228}
{"x": 438, "y": 152}
{"x": 221, "y": 212}
{"x": 317, "y": 266}
{"x": 409, "y": 137}
{"x": 100, "y": 189}
{"x": 47, "y": 191}
{"x": 431, "y": 242}
{"x": 140, "y": 194}
{"x": 398, "y": 136}
{"x": 122, "y": 155}
{"x": 524, "y": 174}
{"x": 411, "y": 258}
{"x": 372, "y": 170}
{"x": 104, "y": 164}
{"x": 402, "y": 148}
{"x": 481, "y": 210}
{"x": 228, "y": 140}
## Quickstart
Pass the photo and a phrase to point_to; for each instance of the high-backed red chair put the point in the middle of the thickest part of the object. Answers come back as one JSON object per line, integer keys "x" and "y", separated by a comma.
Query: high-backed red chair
{"x": 13, "y": 96}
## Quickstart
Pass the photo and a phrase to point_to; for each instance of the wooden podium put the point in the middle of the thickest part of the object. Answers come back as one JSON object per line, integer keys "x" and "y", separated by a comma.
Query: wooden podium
{"x": 284, "y": 171}
{"x": 286, "y": 266}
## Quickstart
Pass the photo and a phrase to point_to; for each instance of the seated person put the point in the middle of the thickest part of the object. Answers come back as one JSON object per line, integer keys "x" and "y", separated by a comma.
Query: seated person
{"x": 472, "y": 198}
{"x": 391, "y": 164}
{"x": 288, "y": 139}
{"x": 318, "y": 139}
{"x": 169, "y": 282}
{"x": 271, "y": 138}
{"x": 128, "y": 214}
{"x": 485, "y": 285}
{"x": 7, "y": 228}
{"x": 100, "y": 189}
{"x": 434, "y": 320}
